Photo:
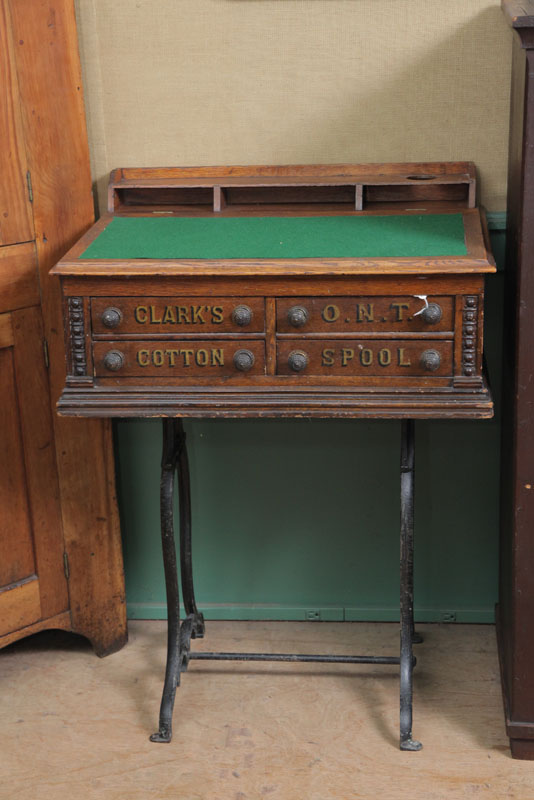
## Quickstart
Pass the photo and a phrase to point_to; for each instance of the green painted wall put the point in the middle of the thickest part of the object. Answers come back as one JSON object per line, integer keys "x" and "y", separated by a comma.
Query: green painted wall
{"x": 298, "y": 519}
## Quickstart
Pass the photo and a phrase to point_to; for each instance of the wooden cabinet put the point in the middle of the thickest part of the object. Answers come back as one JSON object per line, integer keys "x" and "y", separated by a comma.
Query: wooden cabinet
{"x": 515, "y": 614}
{"x": 60, "y": 557}
{"x": 280, "y": 300}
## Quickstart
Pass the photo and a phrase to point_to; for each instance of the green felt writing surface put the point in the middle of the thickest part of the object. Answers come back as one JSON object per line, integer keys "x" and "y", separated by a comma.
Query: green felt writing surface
{"x": 406, "y": 236}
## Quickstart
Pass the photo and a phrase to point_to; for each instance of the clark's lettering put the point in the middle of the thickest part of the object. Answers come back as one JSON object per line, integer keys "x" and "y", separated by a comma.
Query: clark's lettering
{"x": 178, "y": 315}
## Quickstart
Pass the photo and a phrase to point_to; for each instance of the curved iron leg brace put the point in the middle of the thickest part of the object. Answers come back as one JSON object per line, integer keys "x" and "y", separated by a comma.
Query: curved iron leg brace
{"x": 184, "y": 498}
{"x": 406, "y": 582}
{"x": 172, "y": 669}
{"x": 174, "y": 458}
{"x": 173, "y": 443}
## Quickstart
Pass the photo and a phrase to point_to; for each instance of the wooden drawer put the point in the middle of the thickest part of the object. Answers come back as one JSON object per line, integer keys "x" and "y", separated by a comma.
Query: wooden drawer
{"x": 118, "y": 316}
{"x": 179, "y": 358}
{"x": 372, "y": 358}
{"x": 363, "y": 314}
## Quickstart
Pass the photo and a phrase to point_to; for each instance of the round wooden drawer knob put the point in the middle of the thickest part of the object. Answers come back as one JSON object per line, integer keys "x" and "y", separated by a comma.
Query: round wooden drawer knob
{"x": 430, "y": 360}
{"x": 114, "y": 360}
{"x": 298, "y": 360}
{"x": 244, "y": 360}
{"x": 432, "y": 313}
{"x": 242, "y": 315}
{"x": 111, "y": 317}
{"x": 298, "y": 316}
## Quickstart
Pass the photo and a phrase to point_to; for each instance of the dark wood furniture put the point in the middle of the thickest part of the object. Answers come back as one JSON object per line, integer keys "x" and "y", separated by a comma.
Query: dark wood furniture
{"x": 515, "y": 613}
{"x": 60, "y": 550}
{"x": 320, "y": 291}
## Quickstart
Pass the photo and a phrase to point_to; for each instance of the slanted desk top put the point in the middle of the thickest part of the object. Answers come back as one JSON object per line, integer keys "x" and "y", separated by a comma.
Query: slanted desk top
{"x": 280, "y": 291}
{"x": 208, "y": 238}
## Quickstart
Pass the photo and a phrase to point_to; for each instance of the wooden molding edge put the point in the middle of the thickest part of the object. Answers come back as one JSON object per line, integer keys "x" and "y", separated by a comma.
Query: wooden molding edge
{"x": 60, "y": 622}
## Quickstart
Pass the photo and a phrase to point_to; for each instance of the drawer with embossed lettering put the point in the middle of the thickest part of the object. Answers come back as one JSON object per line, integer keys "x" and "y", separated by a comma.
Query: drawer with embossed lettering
{"x": 364, "y": 314}
{"x": 175, "y": 315}
{"x": 179, "y": 358}
{"x": 374, "y": 358}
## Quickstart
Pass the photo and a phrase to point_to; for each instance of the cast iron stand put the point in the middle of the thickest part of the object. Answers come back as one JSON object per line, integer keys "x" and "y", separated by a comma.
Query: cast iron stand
{"x": 174, "y": 459}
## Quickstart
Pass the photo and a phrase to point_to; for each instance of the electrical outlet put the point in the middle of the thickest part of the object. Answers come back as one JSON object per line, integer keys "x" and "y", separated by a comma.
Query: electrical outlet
{"x": 313, "y": 616}
{"x": 448, "y": 616}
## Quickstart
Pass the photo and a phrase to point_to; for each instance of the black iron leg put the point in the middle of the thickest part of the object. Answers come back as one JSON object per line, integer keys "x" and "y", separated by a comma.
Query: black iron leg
{"x": 172, "y": 669}
{"x": 174, "y": 458}
{"x": 186, "y": 565}
{"x": 406, "y": 586}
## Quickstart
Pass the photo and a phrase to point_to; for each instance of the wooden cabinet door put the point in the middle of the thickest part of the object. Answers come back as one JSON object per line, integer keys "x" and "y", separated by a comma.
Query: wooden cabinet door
{"x": 33, "y": 585}
{"x": 45, "y": 206}
{"x": 15, "y": 209}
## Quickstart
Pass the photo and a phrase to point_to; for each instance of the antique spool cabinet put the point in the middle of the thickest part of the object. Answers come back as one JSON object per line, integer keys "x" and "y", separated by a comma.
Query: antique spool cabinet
{"x": 316, "y": 291}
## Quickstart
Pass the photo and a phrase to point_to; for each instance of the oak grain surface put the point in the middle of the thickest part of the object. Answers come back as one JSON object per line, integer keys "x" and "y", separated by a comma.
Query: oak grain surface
{"x": 16, "y": 224}
{"x": 53, "y": 123}
{"x": 19, "y": 279}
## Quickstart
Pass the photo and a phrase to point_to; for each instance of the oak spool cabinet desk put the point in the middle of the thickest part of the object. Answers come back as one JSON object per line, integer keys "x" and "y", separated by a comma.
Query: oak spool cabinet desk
{"x": 302, "y": 291}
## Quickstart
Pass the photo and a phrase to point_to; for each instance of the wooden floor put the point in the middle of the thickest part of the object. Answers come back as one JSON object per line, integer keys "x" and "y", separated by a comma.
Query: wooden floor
{"x": 74, "y": 726}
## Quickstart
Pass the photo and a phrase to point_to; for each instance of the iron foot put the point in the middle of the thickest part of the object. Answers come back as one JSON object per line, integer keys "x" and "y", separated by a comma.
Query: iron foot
{"x": 164, "y": 734}
{"x": 410, "y": 744}
{"x": 417, "y": 637}
{"x": 198, "y": 627}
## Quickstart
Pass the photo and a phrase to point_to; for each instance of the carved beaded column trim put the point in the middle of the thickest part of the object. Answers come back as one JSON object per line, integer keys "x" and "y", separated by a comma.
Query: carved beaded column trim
{"x": 469, "y": 336}
{"x": 77, "y": 337}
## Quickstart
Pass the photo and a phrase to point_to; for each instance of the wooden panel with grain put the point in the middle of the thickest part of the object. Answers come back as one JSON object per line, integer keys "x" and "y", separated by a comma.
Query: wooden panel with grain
{"x": 15, "y": 208}
{"x": 49, "y": 80}
{"x": 6, "y": 331}
{"x": 40, "y": 459}
{"x": 20, "y": 605}
{"x": 59, "y": 622}
{"x": 274, "y": 286}
{"x": 19, "y": 279}
{"x": 17, "y": 559}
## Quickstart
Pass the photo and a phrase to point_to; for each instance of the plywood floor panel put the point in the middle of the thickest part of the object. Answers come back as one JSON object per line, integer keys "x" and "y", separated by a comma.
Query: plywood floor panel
{"x": 75, "y": 726}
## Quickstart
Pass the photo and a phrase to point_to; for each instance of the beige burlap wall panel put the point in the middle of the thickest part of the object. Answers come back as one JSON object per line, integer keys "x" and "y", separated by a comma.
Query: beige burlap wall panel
{"x": 184, "y": 82}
